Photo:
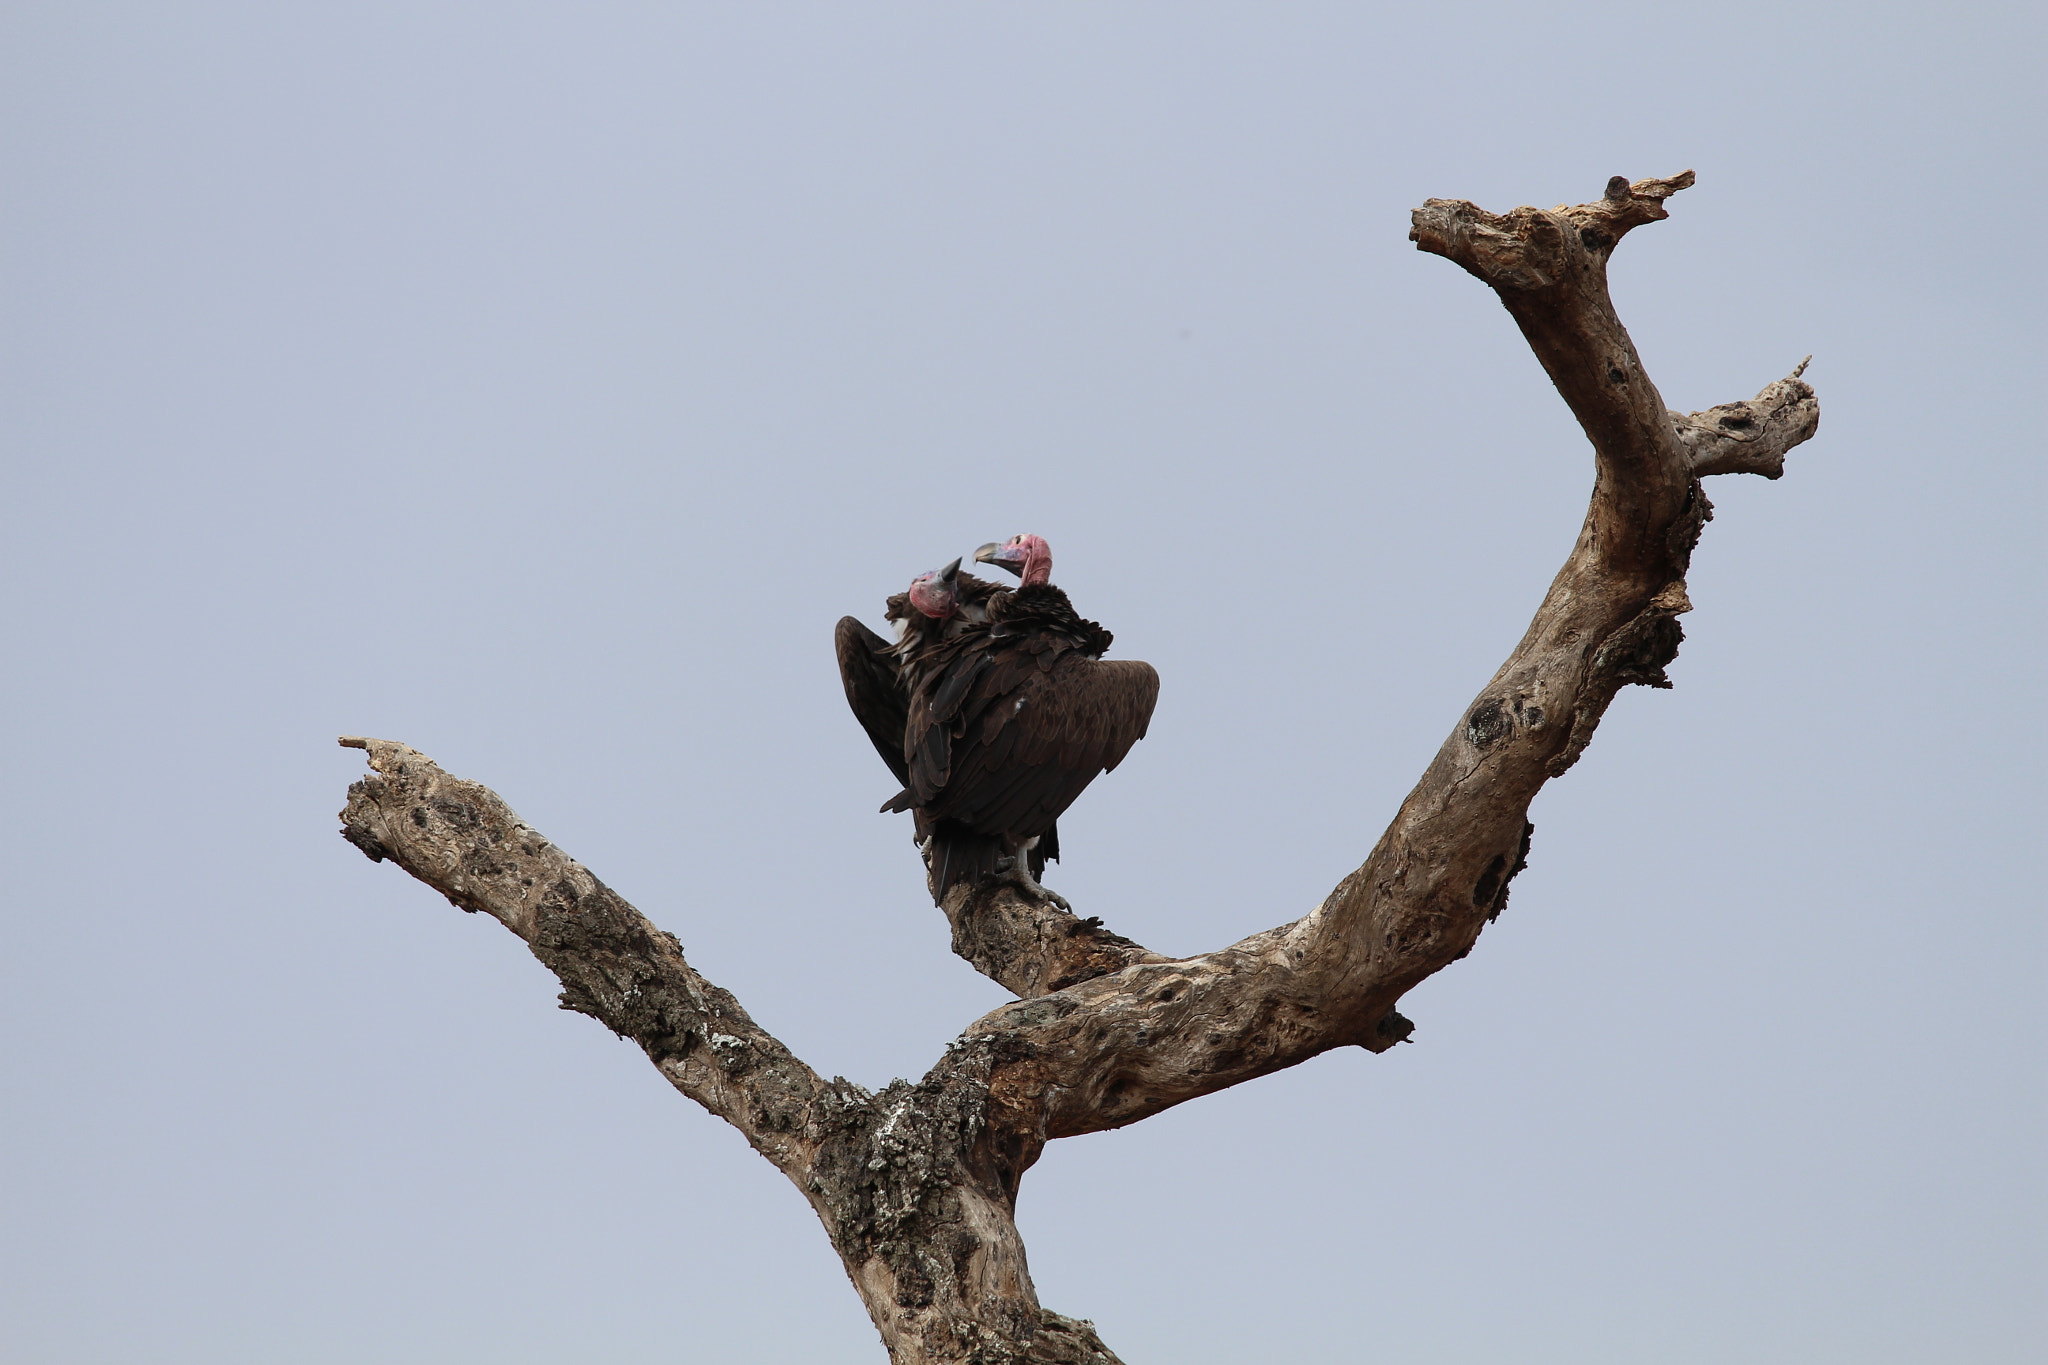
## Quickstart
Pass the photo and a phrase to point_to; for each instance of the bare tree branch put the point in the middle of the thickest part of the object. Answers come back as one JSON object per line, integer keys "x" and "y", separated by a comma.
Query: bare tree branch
{"x": 1032, "y": 947}
{"x": 461, "y": 839}
{"x": 1751, "y": 437}
{"x": 1118, "y": 1048}
{"x": 917, "y": 1185}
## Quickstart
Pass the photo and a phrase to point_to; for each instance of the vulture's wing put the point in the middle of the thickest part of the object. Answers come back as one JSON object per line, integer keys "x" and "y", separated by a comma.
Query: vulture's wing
{"x": 868, "y": 668}
{"x": 1029, "y": 748}
{"x": 944, "y": 707}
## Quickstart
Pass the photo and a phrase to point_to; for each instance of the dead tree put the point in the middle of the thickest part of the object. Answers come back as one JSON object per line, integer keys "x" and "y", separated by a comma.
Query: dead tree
{"x": 917, "y": 1185}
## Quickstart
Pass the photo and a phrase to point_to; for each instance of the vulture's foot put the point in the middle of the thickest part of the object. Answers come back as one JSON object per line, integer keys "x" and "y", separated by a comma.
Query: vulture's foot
{"x": 1017, "y": 872}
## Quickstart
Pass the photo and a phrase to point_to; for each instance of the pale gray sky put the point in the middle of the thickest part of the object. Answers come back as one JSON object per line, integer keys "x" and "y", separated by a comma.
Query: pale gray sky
{"x": 537, "y": 384}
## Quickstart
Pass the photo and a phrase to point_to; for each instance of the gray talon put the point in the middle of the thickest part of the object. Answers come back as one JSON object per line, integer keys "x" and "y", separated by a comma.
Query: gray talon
{"x": 1017, "y": 872}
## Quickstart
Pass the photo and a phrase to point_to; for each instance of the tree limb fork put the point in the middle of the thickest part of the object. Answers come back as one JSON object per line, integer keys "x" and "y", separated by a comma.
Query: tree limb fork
{"x": 917, "y": 1185}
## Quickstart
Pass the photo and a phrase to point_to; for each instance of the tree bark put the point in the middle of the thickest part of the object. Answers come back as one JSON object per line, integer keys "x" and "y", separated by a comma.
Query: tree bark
{"x": 917, "y": 1185}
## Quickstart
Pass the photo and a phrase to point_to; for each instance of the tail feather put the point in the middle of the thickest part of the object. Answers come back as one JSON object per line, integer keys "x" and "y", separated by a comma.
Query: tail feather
{"x": 957, "y": 855}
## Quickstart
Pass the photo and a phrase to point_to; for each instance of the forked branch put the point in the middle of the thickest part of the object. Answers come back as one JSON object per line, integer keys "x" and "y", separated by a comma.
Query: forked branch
{"x": 1155, "y": 1034}
{"x": 917, "y": 1185}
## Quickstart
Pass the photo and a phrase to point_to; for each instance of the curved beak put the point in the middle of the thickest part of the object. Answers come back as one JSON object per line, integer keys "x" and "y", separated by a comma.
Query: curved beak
{"x": 1002, "y": 556}
{"x": 950, "y": 572}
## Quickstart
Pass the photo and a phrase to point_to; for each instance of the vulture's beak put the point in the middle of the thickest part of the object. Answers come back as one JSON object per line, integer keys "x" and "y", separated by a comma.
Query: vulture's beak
{"x": 1002, "y": 556}
{"x": 950, "y": 572}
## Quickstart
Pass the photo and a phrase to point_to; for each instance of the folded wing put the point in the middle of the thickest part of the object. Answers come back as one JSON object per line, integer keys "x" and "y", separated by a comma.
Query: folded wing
{"x": 880, "y": 702}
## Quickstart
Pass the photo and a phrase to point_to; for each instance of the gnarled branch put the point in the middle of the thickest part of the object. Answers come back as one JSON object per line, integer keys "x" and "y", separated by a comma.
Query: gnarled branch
{"x": 1128, "y": 1045}
{"x": 1032, "y": 947}
{"x": 461, "y": 839}
{"x": 917, "y": 1185}
{"x": 1751, "y": 437}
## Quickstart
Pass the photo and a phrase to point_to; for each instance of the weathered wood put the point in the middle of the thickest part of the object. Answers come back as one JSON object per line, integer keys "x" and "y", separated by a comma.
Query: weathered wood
{"x": 461, "y": 839}
{"x": 1032, "y": 947}
{"x": 917, "y": 1185}
{"x": 1750, "y": 437}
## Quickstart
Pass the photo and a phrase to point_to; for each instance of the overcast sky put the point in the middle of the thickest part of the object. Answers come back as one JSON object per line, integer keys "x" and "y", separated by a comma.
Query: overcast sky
{"x": 538, "y": 384}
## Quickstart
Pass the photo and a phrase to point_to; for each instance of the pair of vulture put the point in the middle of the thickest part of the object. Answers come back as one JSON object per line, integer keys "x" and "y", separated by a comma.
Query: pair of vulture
{"x": 994, "y": 708}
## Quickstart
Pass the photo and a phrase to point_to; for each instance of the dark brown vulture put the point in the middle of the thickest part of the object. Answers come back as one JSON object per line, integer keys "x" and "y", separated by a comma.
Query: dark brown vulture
{"x": 1008, "y": 721}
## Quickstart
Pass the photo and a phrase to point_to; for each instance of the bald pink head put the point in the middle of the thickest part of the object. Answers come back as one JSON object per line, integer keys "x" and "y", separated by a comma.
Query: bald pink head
{"x": 936, "y": 593}
{"x": 1026, "y": 555}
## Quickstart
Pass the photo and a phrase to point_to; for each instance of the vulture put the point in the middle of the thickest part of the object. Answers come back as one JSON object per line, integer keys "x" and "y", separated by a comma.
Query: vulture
{"x": 1007, "y": 718}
